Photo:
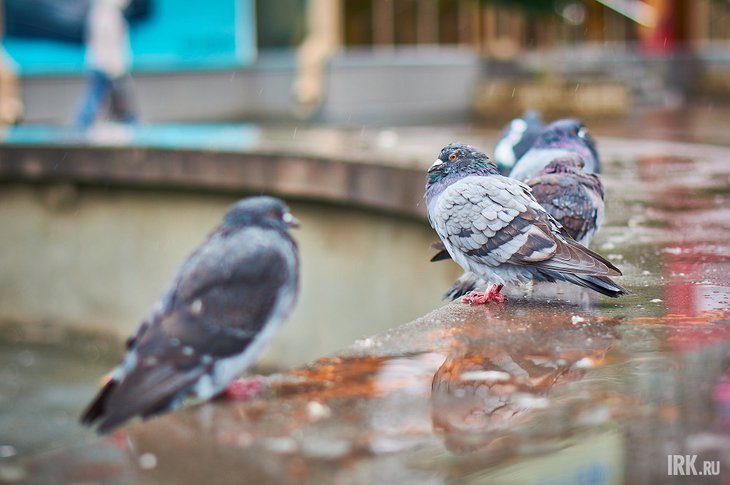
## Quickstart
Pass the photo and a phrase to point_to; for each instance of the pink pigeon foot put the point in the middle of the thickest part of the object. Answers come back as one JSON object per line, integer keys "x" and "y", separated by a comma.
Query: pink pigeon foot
{"x": 482, "y": 297}
{"x": 244, "y": 389}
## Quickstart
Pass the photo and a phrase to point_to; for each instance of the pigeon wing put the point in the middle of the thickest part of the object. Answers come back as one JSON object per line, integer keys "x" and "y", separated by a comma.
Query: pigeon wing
{"x": 563, "y": 197}
{"x": 496, "y": 220}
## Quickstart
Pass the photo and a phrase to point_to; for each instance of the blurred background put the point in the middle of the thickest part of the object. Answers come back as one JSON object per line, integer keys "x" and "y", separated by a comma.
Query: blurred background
{"x": 377, "y": 61}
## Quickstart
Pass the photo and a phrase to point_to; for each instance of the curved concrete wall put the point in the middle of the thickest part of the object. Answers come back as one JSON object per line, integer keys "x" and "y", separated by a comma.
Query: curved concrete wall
{"x": 88, "y": 247}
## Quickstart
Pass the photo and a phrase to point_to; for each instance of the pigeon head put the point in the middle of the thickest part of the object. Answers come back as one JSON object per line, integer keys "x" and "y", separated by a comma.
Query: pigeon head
{"x": 518, "y": 126}
{"x": 260, "y": 211}
{"x": 517, "y": 137}
{"x": 456, "y": 161}
{"x": 572, "y": 163}
{"x": 568, "y": 133}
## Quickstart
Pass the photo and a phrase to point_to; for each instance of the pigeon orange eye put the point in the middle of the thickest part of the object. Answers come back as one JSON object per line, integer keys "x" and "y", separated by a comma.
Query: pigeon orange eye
{"x": 452, "y": 157}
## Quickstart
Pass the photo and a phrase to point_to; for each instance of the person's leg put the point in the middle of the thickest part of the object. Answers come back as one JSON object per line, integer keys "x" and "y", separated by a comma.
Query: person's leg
{"x": 96, "y": 90}
{"x": 122, "y": 100}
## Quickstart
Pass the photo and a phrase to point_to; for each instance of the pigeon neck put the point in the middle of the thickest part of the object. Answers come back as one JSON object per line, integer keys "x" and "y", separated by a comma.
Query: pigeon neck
{"x": 437, "y": 183}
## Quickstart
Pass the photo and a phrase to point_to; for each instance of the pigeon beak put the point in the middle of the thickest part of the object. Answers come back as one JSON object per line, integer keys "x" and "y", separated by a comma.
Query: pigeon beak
{"x": 290, "y": 220}
{"x": 435, "y": 165}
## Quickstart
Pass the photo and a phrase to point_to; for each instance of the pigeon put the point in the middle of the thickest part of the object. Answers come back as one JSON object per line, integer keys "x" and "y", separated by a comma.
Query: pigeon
{"x": 224, "y": 304}
{"x": 573, "y": 197}
{"x": 517, "y": 137}
{"x": 561, "y": 137}
{"x": 493, "y": 227}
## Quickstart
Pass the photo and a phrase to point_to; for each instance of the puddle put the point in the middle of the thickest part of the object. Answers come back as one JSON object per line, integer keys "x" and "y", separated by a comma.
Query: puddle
{"x": 45, "y": 374}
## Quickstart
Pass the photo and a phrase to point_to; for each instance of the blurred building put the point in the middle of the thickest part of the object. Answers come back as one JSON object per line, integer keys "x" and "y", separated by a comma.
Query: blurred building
{"x": 359, "y": 61}
{"x": 504, "y": 28}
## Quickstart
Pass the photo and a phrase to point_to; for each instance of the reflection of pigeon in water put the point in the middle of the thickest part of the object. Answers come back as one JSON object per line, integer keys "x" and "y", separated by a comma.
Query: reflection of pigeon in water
{"x": 573, "y": 197}
{"x": 559, "y": 138}
{"x": 517, "y": 137}
{"x": 483, "y": 394}
{"x": 493, "y": 227}
{"x": 226, "y": 301}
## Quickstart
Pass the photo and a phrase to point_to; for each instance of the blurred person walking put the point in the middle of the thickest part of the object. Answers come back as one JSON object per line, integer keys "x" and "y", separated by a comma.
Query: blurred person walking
{"x": 108, "y": 56}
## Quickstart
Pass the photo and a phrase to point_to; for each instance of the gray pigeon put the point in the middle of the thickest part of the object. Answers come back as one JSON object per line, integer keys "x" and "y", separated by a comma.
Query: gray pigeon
{"x": 573, "y": 197}
{"x": 559, "y": 138}
{"x": 516, "y": 139}
{"x": 224, "y": 304}
{"x": 493, "y": 227}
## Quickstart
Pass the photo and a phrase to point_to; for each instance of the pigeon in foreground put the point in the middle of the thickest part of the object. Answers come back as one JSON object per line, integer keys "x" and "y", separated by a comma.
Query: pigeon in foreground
{"x": 559, "y": 138}
{"x": 493, "y": 227}
{"x": 224, "y": 304}
{"x": 517, "y": 138}
{"x": 573, "y": 197}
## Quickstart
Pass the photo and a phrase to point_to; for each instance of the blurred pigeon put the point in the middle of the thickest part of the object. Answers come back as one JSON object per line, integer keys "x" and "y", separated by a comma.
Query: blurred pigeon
{"x": 493, "y": 227}
{"x": 561, "y": 137}
{"x": 224, "y": 304}
{"x": 573, "y": 197}
{"x": 517, "y": 137}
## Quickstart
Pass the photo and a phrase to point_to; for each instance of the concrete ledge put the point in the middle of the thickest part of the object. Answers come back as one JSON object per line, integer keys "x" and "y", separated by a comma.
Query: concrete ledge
{"x": 379, "y": 187}
{"x": 95, "y": 232}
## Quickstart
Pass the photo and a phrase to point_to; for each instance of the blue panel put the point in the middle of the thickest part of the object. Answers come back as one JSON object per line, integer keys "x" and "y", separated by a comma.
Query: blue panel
{"x": 180, "y": 34}
{"x": 45, "y": 56}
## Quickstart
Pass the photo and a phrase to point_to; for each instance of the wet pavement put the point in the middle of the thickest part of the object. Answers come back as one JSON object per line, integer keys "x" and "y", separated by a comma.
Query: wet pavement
{"x": 555, "y": 386}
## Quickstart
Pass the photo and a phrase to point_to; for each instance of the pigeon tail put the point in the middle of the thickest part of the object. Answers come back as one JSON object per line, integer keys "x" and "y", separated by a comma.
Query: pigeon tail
{"x": 602, "y": 284}
{"x": 441, "y": 256}
{"x": 102, "y": 409}
{"x": 144, "y": 392}
{"x": 116, "y": 416}
{"x": 466, "y": 283}
{"x": 98, "y": 406}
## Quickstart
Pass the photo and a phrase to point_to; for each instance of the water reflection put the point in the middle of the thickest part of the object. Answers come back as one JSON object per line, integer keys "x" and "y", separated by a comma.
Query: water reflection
{"x": 482, "y": 392}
